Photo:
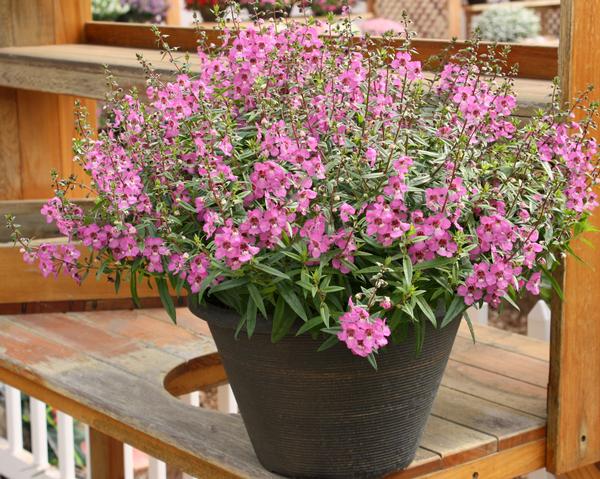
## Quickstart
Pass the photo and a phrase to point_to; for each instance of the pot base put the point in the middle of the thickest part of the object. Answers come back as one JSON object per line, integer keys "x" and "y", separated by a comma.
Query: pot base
{"x": 330, "y": 415}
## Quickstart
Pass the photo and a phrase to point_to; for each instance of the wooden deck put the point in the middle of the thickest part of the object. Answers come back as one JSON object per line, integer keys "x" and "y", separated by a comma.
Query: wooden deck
{"x": 79, "y": 70}
{"x": 108, "y": 369}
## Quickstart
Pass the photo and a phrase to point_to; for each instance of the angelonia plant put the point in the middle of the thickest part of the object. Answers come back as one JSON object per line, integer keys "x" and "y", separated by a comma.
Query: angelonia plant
{"x": 325, "y": 184}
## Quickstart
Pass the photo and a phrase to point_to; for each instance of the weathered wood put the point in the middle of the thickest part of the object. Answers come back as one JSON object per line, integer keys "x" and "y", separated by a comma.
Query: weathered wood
{"x": 574, "y": 394}
{"x": 40, "y": 135}
{"x": 535, "y": 61}
{"x": 66, "y": 359}
{"x": 588, "y": 472}
{"x": 10, "y": 153}
{"x": 508, "y": 341}
{"x": 502, "y": 465}
{"x": 106, "y": 456}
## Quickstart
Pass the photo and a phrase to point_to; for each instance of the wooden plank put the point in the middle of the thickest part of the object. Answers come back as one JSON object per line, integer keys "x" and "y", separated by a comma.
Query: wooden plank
{"x": 588, "y": 472}
{"x": 507, "y": 341}
{"x": 535, "y": 61}
{"x": 22, "y": 283}
{"x": 496, "y": 388}
{"x": 506, "y": 363}
{"x": 523, "y": 3}
{"x": 574, "y": 415}
{"x": 106, "y": 456}
{"x": 10, "y": 153}
{"x": 454, "y": 443}
{"x": 502, "y": 465}
{"x": 510, "y": 427}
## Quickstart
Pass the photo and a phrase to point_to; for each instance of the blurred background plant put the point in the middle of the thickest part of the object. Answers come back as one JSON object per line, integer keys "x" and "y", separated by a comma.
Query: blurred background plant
{"x": 507, "y": 23}
{"x": 130, "y": 10}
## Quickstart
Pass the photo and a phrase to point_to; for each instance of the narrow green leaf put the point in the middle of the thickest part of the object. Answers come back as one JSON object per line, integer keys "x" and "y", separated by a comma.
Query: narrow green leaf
{"x": 310, "y": 324}
{"x": 457, "y": 307}
{"x": 271, "y": 271}
{"x": 165, "y": 298}
{"x": 434, "y": 263}
{"x": 372, "y": 361}
{"x": 324, "y": 309}
{"x": 427, "y": 311}
{"x": 228, "y": 284}
{"x": 283, "y": 320}
{"x": 328, "y": 343}
{"x": 133, "y": 288}
{"x": 250, "y": 317}
{"x": 408, "y": 269}
{"x": 470, "y": 325}
{"x": 257, "y": 298}
{"x": 291, "y": 298}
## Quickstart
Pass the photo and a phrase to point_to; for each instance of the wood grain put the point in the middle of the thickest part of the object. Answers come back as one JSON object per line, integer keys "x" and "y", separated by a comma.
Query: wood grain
{"x": 574, "y": 394}
{"x": 10, "y": 153}
{"x": 535, "y": 61}
{"x": 66, "y": 359}
{"x": 588, "y": 472}
{"x": 106, "y": 456}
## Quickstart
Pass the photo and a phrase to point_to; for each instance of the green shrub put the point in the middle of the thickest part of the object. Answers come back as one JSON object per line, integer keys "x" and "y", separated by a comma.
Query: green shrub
{"x": 508, "y": 23}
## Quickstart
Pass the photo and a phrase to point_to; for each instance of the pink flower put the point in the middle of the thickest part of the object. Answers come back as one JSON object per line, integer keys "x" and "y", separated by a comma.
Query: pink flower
{"x": 363, "y": 335}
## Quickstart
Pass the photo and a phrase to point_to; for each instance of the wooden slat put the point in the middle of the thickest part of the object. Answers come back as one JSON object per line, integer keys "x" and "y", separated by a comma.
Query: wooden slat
{"x": 106, "y": 456}
{"x": 506, "y": 464}
{"x": 507, "y": 341}
{"x": 588, "y": 472}
{"x": 10, "y": 153}
{"x": 574, "y": 412}
{"x": 535, "y": 61}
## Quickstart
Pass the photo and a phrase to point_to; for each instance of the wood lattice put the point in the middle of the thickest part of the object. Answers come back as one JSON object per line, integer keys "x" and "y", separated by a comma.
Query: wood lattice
{"x": 429, "y": 17}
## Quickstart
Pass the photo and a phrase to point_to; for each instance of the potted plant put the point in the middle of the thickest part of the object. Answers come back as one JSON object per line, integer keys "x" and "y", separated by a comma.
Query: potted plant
{"x": 268, "y": 9}
{"x": 508, "y": 23}
{"x": 331, "y": 212}
{"x": 209, "y": 9}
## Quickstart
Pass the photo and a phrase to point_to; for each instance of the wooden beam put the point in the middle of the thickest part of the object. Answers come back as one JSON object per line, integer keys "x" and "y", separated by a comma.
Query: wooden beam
{"x": 106, "y": 456}
{"x": 574, "y": 392}
{"x": 535, "y": 61}
{"x": 455, "y": 19}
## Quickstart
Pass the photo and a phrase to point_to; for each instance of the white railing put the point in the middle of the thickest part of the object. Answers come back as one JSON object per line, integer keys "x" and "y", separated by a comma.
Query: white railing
{"x": 18, "y": 463}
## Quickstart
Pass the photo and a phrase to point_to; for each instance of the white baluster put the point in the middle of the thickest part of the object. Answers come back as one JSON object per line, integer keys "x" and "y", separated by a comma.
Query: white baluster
{"x": 193, "y": 399}
{"x": 39, "y": 432}
{"x": 479, "y": 315}
{"x": 226, "y": 400}
{"x": 128, "y": 461}
{"x": 14, "y": 425}
{"x": 88, "y": 452}
{"x": 157, "y": 469}
{"x": 66, "y": 446}
{"x": 538, "y": 321}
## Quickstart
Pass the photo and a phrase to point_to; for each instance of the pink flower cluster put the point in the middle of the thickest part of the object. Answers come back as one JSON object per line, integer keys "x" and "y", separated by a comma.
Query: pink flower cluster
{"x": 362, "y": 334}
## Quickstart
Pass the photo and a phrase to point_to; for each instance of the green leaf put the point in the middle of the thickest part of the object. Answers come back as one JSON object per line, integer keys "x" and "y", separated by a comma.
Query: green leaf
{"x": 434, "y": 263}
{"x": 250, "y": 317}
{"x": 257, "y": 298}
{"x": 372, "y": 361}
{"x": 282, "y": 320}
{"x": 165, "y": 298}
{"x": 291, "y": 298}
{"x": 470, "y": 325}
{"x": 419, "y": 336}
{"x": 271, "y": 271}
{"x": 408, "y": 269}
{"x": 324, "y": 309}
{"x": 117, "y": 281}
{"x": 229, "y": 284}
{"x": 457, "y": 307}
{"x": 328, "y": 343}
{"x": 311, "y": 323}
{"x": 133, "y": 288}
{"x": 427, "y": 311}
{"x": 552, "y": 280}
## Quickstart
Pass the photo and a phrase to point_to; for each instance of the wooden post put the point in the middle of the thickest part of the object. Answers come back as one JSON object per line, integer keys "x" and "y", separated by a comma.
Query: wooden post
{"x": 106, "y": 456}
{"x": 574, "y": 391}
{"x": 455, "y": 19}
{"x": 37, "y": 128}
{"x": 589, "y": 472}
{"x": 174, "y": 13}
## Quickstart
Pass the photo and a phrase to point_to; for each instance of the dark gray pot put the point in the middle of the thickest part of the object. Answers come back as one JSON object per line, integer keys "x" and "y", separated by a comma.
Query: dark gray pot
{"x": 330, "y": 414}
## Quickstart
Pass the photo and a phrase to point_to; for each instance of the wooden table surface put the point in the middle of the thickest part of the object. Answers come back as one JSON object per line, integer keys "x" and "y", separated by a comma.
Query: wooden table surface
{"x": 108, "y": 369}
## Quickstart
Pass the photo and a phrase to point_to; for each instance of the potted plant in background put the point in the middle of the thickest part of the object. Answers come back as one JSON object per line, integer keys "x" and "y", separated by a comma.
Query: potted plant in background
{"x": 331, "y": 213}
{"x": 508, "y": 23}
{"x": 209, "y": 9}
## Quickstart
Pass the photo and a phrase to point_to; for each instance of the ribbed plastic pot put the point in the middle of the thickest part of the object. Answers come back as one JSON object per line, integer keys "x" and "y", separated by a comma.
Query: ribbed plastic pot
{"x": 329, "y": 414}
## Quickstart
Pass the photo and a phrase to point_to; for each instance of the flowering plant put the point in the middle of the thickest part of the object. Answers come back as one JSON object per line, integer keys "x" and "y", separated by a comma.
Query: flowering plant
{"x": 327, "y": 186}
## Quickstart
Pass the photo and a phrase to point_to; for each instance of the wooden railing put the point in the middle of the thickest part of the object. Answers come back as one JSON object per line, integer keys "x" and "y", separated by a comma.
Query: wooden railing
{"x": 18, "y": 463}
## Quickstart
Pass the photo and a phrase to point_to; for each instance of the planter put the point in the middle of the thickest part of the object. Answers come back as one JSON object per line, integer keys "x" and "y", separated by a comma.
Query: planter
{"x": 330, "y": 414}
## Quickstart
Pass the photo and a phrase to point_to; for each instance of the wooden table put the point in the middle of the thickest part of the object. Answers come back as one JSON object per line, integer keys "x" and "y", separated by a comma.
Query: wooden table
{"x": 110, "y": 369}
